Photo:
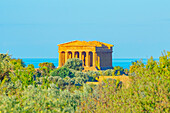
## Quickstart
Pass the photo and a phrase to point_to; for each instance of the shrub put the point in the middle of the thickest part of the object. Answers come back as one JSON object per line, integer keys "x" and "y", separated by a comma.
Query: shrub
{"x": 53, "y": 79}
{"x": 148, "y": 91}
{"x": 37, "y": 99}
{"x": 79, "y": 81}
{"x": 74, "y": 63}
{"x": 61, "y": 83}
{"x": 24, "y": 76}
{"x": 109, "y": 72}
{"x": 62, "y": 72}
{"x": 47, "y": 64}
{"x": 93, "y": 75}
{"x": 17, "y": 64}
{"x": 5, "y": 66}
{"x": 45, "y": 68}
{"x": 31, "y": 69}
{"x": 120, "y": 71}
{"x": 69, "y": 81}
{"x": 38, "y": 73}
{"x": 110, "y": 81}
{"x": 84, "y": 76}
{"x": 116, "y": 71}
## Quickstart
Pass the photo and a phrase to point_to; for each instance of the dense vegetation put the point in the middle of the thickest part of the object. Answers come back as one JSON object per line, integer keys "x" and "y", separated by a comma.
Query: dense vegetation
{"x": 26, "y": 89}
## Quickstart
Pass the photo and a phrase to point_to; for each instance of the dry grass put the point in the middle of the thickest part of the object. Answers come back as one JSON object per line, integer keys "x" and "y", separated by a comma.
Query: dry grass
{"x": 125, "y": 79}
{"x": 95, "y": 83}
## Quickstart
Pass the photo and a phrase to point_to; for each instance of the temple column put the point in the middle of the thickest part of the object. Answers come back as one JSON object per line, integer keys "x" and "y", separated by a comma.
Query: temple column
{"x": 83, "y": 58}
{"x": 80, "y": 55}
{"x": 94, "y": 59}
{"x": 66, "y": 56}
{"x": 73, "y": 54}
{"x": 87, "y": 59}
{"x": 60, "y": 59}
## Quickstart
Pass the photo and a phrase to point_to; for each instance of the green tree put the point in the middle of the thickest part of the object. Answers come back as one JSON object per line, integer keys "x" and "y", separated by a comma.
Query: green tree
{"x": 74, "y": 63}
{"x": 5, "y": 66}
{"x": 62, "y": 72}
{"x": 17, "y": 64}
{"x": 45, "y": 68}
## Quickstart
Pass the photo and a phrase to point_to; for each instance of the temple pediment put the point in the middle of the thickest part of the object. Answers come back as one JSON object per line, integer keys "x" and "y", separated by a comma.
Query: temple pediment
{"x": 76, "y": 43}
{"x": 85, "y": 43}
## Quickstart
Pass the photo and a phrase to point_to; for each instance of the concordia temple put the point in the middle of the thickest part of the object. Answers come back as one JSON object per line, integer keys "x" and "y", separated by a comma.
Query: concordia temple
{"x": 94, "y": 54}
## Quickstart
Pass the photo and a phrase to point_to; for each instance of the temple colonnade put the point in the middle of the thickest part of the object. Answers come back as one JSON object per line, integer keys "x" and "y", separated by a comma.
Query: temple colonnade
{"x": 88, "y": 57}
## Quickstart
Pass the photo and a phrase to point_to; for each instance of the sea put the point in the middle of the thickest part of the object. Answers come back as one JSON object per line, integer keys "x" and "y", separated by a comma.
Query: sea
{"x": 122, "y": 62}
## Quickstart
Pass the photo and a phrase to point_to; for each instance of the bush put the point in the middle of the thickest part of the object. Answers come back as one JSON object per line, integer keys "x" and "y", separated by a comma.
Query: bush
{"x": 79, "y": 81}
{"x": 93, "y": 75}
{"x": 109, "y": 72}
{"x": 116, "y": 71}
{"x": 110, "y": 82}
{"x": 53, "y": 79}
{"x": 82, "y": 75}
{"x": 148, "y": 90}
{"x": 74, "y": 63}
{"x": 119, "y": 71}
{"x": 47, "y": 64}
{"x": 62, "y": 72}
{"x": 24, "y": 76}
{"x": 5, "y": 66}
{"x": 31, "y": 69}
{"x": 37, "y": 99}
{"x": 69, "y": 81}
{"x": 17, "y": 64}
{"x": 45, "y": 68}
{"x": 61, "y": 83}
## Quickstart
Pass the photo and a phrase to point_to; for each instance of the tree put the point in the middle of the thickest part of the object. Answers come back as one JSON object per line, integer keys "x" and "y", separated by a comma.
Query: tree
{"x": 5, "y": 66}
{"x": 74, "y": 63}
{"x": 62, "y": 72}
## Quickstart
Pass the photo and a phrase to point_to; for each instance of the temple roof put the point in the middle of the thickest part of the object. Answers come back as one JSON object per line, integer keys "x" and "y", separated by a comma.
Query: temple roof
{"x": 85, "y": 43}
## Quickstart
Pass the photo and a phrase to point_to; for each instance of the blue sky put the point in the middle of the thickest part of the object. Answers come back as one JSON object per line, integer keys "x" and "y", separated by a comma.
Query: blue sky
{"x": 33, "y": 28}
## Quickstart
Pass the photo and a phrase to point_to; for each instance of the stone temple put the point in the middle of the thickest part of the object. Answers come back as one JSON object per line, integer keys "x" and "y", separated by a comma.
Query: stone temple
{"x": 94, "y": 54}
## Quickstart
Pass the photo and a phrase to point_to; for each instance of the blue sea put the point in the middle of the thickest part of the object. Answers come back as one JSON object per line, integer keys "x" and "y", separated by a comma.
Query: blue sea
{"x": 123, "y": 62}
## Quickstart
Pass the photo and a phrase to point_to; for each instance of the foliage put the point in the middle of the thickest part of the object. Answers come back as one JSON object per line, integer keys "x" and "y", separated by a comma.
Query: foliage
{"x": 69, "y": 81}
{"x": 37, "y": 99}
{"x": 5, "y": 66}
{"x": 108, "y": 72}
{"x": 47, "y": 64}
{"x": 65, "y": 91}
{"x": 17, "y": 63}
{"x": 136, "y": 65}
{"x": 26, "y": 75}
{"x": 118, "y": 70}
{"x": 62, "y": 72}
{"x": 45, "y": 68}
{"x": 82, "y": 75}
{"x": 30, "y": 68}
{"x": 148, "y": 91}
{"x": 74, "y": 63}
{"x": 93, "y": 75}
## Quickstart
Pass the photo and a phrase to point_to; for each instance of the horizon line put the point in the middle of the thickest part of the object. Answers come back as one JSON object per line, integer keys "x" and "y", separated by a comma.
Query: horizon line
{"x": 112, "y": 58}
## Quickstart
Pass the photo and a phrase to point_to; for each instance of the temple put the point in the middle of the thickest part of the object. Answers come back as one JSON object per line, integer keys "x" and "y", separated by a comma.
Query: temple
{"x": 94, "y": 54}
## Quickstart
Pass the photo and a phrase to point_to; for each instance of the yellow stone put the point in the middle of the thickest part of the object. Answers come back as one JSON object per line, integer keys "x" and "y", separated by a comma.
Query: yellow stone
{"x": 94, "y": 54}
